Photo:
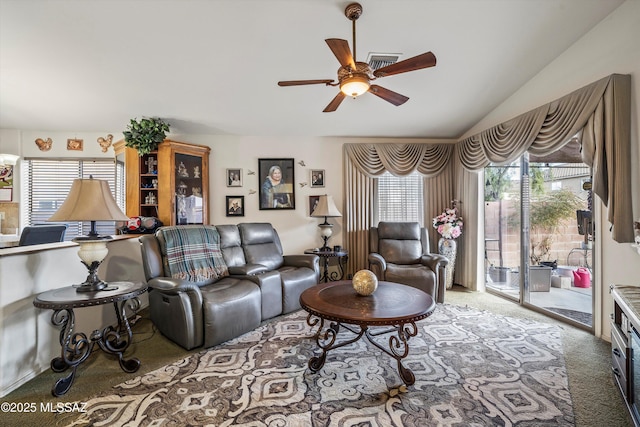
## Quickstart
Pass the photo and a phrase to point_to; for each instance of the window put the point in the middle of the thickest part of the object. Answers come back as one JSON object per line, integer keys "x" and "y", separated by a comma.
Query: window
{"x": 400, "y": 198}
{"x": 46, "y": 184}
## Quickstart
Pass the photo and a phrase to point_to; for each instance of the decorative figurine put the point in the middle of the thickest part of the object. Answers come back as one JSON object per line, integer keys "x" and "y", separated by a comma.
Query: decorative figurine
{"x": 182, "y": 171}
{"x": 151, "y": 165}
{"x": 196, "y": 172}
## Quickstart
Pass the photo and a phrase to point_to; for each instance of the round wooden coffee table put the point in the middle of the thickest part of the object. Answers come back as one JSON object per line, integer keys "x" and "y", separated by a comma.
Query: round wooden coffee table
{"x": 393, "y": 306}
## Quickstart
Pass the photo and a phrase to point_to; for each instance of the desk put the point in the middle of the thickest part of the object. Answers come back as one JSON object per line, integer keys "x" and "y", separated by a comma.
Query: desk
{"x": 342, "y": 257}
{"x": 76, "y": 346}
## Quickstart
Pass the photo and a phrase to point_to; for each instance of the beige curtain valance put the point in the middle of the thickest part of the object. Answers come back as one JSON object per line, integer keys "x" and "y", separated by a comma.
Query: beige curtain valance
{"x": 399, "y": 159}
{"x": 601, "y": 113}
{"x": 363, "y": 163}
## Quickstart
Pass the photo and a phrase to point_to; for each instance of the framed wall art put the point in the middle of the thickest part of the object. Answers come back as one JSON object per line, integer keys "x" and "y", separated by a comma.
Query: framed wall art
{"x": 313, "y": 202}
{"x": 74, "y": 144}
{"x": 277, "y": 179}
{"x": 317, "y": 178}
{"x": 234, "y": 177}
{"x": 6, "y": 183}
{"x": 235, "y": 205}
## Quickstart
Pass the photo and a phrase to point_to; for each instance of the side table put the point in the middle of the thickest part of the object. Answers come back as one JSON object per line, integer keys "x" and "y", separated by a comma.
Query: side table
{"x": 76, "y": 346}
{"x": 342, "y": 257}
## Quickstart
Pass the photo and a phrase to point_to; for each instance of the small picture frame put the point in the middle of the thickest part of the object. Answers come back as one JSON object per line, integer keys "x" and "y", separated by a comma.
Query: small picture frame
{"x": 234, "y": 177}
{"x": 74, "y": 144}
{"x": 316, "y": 178}
{"x": 277, "y": 179}
{"x": 313, "y": 202}
{"x": 235, "y": 205}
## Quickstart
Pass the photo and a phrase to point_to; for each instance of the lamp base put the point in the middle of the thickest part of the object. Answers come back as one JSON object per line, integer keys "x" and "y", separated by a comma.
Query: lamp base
{"x": 325, "y": 233}
{"x": 325, "y": 247}
{"x": 93, "y": 250}
{"x": 88, "y": 286}
{"x": 93, "y": 282}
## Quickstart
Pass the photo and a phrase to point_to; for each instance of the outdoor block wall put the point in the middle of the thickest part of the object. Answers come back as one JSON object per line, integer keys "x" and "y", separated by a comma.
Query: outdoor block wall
{"x": 565, "y": 239}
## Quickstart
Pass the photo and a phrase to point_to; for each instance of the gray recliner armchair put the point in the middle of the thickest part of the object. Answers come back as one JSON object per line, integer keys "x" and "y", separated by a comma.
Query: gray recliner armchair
{"x": 399, "y": 252}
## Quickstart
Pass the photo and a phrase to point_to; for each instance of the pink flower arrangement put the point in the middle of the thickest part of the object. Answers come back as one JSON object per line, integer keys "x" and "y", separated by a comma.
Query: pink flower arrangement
{"x": 448, "y": 223}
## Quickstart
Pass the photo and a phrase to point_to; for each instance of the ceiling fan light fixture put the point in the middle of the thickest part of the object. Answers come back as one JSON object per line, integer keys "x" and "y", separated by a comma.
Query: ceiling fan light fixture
{"x": 355, "y": 85}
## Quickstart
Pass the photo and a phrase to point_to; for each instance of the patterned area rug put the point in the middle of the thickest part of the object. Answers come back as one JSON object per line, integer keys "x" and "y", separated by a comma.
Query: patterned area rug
{"x": 472, "y": 368}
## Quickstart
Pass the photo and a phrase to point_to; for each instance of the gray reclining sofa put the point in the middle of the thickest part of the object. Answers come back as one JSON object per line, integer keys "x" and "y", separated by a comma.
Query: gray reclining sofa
{"x": 254, "y": 282}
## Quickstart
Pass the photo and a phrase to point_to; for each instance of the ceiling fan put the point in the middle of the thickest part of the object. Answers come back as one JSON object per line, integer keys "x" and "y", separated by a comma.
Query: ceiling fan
{"x": 354, "y": 78}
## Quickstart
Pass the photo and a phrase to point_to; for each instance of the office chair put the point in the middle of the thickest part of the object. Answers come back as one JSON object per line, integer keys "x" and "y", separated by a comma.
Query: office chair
{"x": 39, "y": 234}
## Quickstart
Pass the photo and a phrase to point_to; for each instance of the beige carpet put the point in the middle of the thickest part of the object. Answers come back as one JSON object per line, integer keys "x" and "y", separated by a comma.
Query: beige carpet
{"x": 596, "y": 400}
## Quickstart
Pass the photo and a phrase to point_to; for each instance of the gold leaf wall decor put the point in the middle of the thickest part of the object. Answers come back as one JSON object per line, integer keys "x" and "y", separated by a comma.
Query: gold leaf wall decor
{"x": 44, "y": 144}
{"x": 105, "y": 143}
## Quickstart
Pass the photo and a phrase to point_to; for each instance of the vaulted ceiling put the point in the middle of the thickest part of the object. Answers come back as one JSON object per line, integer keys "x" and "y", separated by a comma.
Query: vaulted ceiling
{"x": 212, "y": 67}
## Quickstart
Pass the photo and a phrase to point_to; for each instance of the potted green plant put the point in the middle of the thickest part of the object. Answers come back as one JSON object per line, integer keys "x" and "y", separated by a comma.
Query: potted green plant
{"x": 145, "y": 134}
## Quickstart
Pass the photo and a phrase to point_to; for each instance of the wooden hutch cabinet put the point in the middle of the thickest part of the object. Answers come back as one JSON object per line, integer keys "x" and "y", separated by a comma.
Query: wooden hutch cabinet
{"x": 171, "y": 183}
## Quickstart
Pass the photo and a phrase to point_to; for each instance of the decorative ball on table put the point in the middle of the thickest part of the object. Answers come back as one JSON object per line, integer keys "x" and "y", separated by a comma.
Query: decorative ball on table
{"x": 365, "y": 282}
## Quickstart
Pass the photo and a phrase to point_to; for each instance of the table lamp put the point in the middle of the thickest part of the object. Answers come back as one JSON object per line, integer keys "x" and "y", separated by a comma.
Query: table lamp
{"x": 90, "y": 200}
{"x": 326, "y": 208}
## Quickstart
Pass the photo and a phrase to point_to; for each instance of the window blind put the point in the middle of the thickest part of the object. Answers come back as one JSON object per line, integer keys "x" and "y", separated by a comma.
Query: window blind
{"x": 47, "y": 183}
{"x": 400, "y": 198}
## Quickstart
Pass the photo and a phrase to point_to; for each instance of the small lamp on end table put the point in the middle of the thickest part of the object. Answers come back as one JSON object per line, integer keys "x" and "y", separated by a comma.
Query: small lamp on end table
{"x": 326, "y": 208}
{"x": 90, "y": 200}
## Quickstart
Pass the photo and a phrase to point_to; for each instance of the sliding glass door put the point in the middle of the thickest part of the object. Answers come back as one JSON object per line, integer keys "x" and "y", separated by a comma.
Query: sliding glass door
{"x": 539, "y": 238}
{"x": 502, "y": 251}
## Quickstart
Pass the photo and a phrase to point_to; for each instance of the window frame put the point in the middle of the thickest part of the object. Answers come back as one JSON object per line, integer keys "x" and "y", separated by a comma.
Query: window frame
{"x": 51, "y": 179}
{"x": 410, "y": 191}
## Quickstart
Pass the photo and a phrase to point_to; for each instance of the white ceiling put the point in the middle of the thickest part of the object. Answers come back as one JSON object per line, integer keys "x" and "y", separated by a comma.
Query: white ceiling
{"x": 211, "y": 67}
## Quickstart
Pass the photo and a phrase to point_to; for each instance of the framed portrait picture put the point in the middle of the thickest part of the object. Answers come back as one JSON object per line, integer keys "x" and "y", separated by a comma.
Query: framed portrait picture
{"x": 277, "y": 190}
{"x": 317, "y": 178}
{"x": 234, "y": 177}
{"x": 235, "y": 205}
{"x": 313, "y": 202}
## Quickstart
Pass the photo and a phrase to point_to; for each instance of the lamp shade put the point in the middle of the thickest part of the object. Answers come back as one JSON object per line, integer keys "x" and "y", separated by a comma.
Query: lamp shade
{"x": 89, "y": 200}
{"x": 326, "y": 208}
{"x": 355, "y": 85}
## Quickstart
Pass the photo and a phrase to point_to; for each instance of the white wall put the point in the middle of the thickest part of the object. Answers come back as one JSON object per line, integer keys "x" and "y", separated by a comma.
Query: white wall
{"x": 297, "y": 230}
{"x": 610, "y": 47}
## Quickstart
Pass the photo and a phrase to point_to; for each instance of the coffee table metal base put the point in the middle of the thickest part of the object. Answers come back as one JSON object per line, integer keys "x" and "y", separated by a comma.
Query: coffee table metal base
{"x": 398, "y": 343}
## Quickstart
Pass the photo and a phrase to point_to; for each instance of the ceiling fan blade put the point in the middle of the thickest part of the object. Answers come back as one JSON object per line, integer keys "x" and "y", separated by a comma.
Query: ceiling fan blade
{"x": 340, "y": 49}
{"x": 335, "y": 103}
{"x": 419, "y": 62}
{"x": 388, "y": 95}
{"x": 304, "y": 82}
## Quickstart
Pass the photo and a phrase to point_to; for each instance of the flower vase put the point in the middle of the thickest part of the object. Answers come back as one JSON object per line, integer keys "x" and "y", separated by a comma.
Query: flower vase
{"x": 448, "y": 248}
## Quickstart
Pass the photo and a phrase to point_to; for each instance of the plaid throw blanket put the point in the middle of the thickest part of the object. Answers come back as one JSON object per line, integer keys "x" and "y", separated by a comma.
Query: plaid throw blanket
{"x": 193, "y": 252}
